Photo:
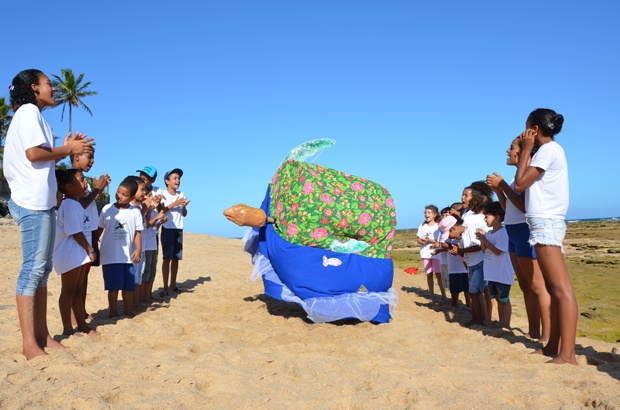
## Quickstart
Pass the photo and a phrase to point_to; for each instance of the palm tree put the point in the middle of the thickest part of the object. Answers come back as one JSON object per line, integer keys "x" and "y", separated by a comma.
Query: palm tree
{"x": 71, "y": 91}
{"x": 5, "y": 120}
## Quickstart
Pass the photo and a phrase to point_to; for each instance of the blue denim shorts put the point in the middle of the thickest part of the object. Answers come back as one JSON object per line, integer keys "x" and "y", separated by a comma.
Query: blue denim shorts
{"x": 518, "y": 237}
{"x": 546, "y": 231}
{"x": 476, "y": 278}
{"x": 499, "y": 289}
{"x": 38, "y": 229}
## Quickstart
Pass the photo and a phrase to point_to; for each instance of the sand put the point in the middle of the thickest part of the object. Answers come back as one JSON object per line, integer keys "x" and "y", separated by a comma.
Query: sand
{"x": 224, "y": 345}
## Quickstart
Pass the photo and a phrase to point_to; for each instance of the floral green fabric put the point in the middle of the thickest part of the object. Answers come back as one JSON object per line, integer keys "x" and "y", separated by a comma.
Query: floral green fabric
{"x": 313, "y": 205}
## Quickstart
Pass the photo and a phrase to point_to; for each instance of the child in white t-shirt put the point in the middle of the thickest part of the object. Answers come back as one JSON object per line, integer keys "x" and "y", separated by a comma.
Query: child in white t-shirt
{"x": 443, "y": 256}
{"x": 84, "y": 163}
{"x": 154, "y": 219}
{"x": 469, "y": 248}
{"x": 121, "y": 246}
{"x": 138, "y": 268}
{"x": 498, "y": 270}
{"x": 175, "y": 208}
{"x": 72, "y": 251}
{"x": 428, "y": 235}
{"x": 451, "y": 228}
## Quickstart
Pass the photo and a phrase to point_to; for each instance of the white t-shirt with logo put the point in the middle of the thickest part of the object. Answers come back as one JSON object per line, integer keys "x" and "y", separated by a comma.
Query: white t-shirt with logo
{"x": 33, "y": 184}
{"x": 120, "y": 227}
{"x": 68, "y": 254}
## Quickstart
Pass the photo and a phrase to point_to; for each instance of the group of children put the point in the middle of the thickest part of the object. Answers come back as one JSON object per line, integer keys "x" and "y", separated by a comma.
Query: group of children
{"x": 477, "y": 246}
{"x": 466, "y": 248}
{"x": 123, "y": 239}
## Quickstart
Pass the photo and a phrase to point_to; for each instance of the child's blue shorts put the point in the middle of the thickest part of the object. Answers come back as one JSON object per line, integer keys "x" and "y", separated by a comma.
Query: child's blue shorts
{"x": 119, "y": 276}
{"x": 172, "y": 243}
{"x": 459, "y": 282}
{"x": 499, "y": 289}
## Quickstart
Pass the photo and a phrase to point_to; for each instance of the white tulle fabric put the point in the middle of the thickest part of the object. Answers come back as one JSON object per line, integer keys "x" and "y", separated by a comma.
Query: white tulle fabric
{"x": 363, "y": 306}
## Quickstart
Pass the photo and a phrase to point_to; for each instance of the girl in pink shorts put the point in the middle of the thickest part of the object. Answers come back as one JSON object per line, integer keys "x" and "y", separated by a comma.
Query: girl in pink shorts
{"x": 428, "y": 235}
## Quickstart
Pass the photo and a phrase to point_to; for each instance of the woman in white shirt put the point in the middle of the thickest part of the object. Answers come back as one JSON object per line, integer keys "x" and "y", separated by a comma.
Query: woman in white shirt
{"x": 545, "y": 182}
{"x": 29, "y": 161}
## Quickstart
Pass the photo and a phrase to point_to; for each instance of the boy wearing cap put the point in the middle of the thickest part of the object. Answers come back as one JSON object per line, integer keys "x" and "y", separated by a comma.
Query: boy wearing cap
{"x": 175, "y": 208}
{"x": 148, "y": 174}
{"x": 452, "y": 229}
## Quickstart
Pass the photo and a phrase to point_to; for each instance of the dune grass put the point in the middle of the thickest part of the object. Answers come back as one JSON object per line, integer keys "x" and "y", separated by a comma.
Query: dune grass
{"x": 593, "y": 260}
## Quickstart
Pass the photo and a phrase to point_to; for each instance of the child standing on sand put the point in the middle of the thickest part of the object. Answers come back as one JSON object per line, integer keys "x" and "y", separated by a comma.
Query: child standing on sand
{"x": 469, "y": 248}
{"x": 175, "y": 208}
{"x": 498, "y": 271}
{"x": 428, "y": 235}
{"x": 84, "y": 163}
{"x": 154, "y": 219}
{"x": 443, "y": 254}
{"x": 522, "y": 254}
{"x": 545, "y": 182}
{"x": 138, "y": 267}
{"x": 71, "y": 249}
{"x": 121, "y": 226}
{"x": 455, "y": 269}
{"x": 451, "y": 228}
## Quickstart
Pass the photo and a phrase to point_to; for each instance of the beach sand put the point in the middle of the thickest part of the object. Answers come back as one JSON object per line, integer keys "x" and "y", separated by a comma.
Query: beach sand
{"x": 224, "y": 345}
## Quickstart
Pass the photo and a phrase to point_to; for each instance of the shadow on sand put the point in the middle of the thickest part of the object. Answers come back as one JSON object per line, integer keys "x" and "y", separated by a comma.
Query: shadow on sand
{"x": 288, "y": 310}
{"x": 607, "y": 362}
{"x": 102, "y": 316}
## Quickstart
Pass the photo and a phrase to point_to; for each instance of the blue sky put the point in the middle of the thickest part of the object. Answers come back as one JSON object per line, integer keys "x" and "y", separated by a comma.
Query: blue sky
{"x": 422, "y": 97}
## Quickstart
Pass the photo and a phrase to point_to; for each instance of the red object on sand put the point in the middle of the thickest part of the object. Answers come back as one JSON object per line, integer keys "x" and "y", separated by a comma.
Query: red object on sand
{"x": 411, "y": 271}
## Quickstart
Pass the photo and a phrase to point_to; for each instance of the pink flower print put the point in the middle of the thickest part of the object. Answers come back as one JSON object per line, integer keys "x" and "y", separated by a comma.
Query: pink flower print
{"x": 390, "y": 235}
{"x": 328, "y": 212}
{"x": 324, "y": 221}
{"x": 374, "y": 240}
{"x": 279, "y": 208}
{"x": 326, "y": 198}
{"x": 364, "y": 218}
{"x": 362, "y": 232}
{"x": 362, "y": 206}
{"x": 337, "y": 191}
{"x": 343, "y": 223}
{"x": 362, "y": 198}
{"x": 314, "y": 174}
{"x": 320, "y": 168}
{"x": 308, "y": 188}
{"x": 389, "y": 202}
{"x": 294, "y": 208}
{"x": 302, "y": 178}
{"x": 292, "y": 230}
{"x": 356, "y": 186}
{"x": 376, "y": 206}
{"x": 319, "y": 233}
